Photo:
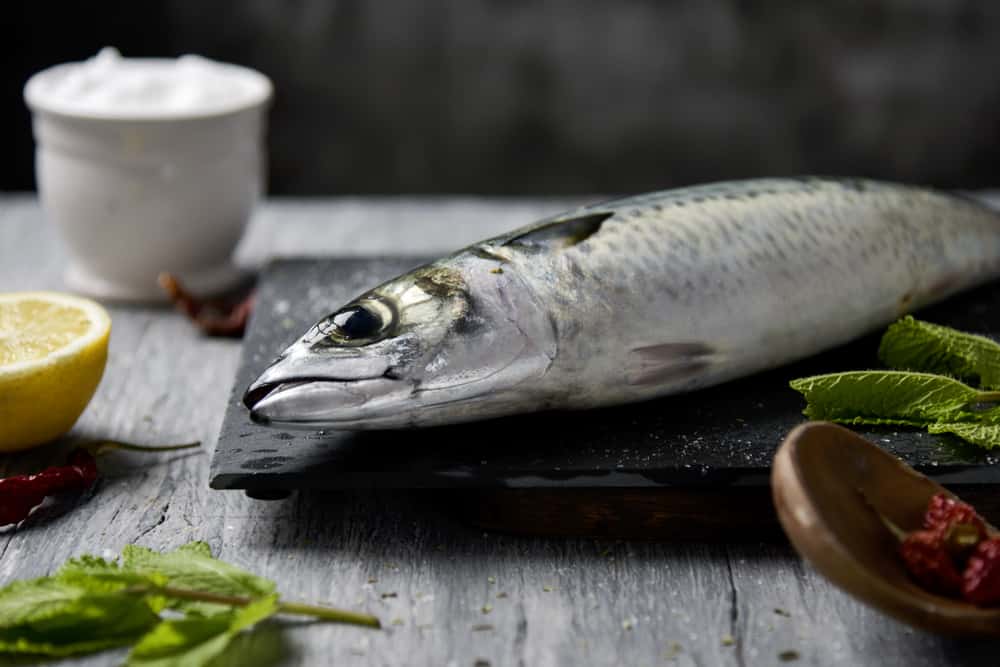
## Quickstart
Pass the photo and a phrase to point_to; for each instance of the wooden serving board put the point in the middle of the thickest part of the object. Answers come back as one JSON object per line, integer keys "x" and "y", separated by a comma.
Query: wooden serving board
{"x": 701, "y": 459}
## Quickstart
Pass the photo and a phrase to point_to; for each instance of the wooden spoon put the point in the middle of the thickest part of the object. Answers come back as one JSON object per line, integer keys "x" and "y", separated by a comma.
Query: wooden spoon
{"x": 829, "y": 485}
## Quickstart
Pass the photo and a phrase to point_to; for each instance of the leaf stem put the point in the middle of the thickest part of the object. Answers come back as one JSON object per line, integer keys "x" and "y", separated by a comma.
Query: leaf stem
{"x": 323, "y": 613}
{"x": 896, "y": 531}
{"x": 329, "y": 614}
{"x": 988, "y": 396}
{"x": 114, "y": 444}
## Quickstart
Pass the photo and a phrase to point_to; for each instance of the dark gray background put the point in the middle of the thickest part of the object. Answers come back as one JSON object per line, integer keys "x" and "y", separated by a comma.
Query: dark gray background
{"x": 568, "y": 96}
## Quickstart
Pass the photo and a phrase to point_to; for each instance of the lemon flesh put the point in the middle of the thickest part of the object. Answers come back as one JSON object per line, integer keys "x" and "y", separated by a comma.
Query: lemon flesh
{"x": 53, "y": 349}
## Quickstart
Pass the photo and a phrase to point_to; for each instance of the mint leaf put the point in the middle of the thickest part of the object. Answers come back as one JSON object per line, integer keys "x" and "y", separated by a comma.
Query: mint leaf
{"x": 97, "y": 574}
{"x": 984, "y": 435}
{"x": 193, "y": 567}
{"x": 197, "y": 548}
{"x": 59, "y": 618}
{"x": 891, "y": 397}
{"x": 101, "y": 576}
{"x": 91, "y": 604}
{"x": 913, "y": 345}
{"x": 195, "y": 641}
{"x": 90, "y": 566}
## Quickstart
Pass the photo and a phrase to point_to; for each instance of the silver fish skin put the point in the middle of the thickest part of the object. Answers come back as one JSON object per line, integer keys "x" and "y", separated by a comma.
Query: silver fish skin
{"x": 632, "y": 299}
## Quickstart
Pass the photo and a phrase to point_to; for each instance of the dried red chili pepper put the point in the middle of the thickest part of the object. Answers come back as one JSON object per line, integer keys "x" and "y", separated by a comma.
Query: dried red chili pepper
{"x": 215, "y": 318}
{"x": 957, "y": 554}
{"x": 928, "y": 560}
{"x": 981, "y": 579}
{"x": 944, "y": 512}
{"x": 22, "y": 493}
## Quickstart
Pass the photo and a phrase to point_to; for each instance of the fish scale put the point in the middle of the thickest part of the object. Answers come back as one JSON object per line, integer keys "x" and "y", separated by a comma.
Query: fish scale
{"x": 636, "y": 298}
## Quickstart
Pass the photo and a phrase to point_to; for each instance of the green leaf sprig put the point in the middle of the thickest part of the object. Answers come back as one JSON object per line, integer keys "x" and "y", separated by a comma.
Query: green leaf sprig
{"x": 925, "y": 389}
{"x": 913, "y": 345}
{"x": 91, "y": 604}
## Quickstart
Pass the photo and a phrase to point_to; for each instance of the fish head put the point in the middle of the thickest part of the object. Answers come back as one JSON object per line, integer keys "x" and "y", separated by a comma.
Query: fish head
{"x": 442, "y": 344}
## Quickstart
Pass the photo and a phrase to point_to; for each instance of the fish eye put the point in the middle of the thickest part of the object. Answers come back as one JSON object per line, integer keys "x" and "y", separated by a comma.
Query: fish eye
{"x": 356, "y": 322}
{"x": 359, "y": 323}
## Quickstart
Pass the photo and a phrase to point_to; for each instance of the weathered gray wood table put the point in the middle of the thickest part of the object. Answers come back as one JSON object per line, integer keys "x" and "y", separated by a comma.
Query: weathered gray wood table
{"x": 447, "y": 594}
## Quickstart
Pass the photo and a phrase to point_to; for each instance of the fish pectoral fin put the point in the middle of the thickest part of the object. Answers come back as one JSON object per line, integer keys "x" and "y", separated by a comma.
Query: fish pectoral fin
{"x": 668, "y": 362}
{"x": 559, "y": 234}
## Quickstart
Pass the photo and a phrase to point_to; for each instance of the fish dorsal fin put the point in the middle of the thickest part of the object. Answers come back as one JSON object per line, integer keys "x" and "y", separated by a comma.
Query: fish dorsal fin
{"x": 563, "y": 233}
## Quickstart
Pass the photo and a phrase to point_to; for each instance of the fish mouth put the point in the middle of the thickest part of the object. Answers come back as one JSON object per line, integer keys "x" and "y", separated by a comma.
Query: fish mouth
{"x": 261, "y": 389}
{"x": 313, "y": 402}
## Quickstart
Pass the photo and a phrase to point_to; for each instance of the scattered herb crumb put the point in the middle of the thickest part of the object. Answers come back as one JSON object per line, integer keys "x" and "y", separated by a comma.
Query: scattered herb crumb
{"x": 483, "y": 627}
{"x": 547, "y": 589}
{"x": 782, "y": 612}
{"x": 673, "y": 651}
{"x": 496, "y": 270}
{"x": 491, "y": 580}
{"x": 501, "y": 595}
{"x": 389, "y": 595}
{"x": 788, "y": 656}
{"x": 487, "y": 608}
{"x": 481, "y": 663}
{"x": 629, "y": 623}
{"x": 397, "y": 621}
{"x": 372, "y": 580}
{"x": 728, "y": 640}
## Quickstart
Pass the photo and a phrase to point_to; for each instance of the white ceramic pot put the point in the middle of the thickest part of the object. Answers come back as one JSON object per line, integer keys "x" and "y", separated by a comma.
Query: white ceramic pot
{"x": 137, "y": 194}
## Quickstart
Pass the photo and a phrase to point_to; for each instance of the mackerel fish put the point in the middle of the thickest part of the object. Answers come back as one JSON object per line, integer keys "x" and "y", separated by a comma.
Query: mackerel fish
{"x": 629, "y": 300}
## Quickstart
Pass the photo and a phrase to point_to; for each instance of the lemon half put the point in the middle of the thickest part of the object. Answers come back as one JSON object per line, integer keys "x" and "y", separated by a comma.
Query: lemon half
{"x": 53, "y": 348}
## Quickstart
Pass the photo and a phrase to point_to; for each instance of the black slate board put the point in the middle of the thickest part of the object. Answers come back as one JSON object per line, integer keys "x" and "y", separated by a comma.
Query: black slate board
{"x": 716, "y": 438}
